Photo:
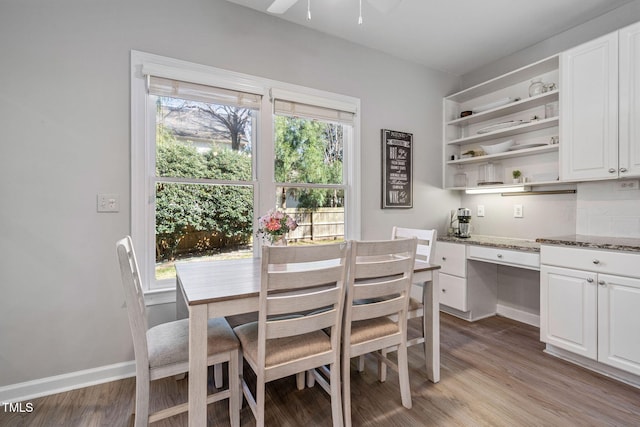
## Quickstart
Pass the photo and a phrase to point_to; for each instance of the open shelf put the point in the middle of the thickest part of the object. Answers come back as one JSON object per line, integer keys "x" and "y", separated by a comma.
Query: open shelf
{"x": 514, "y": 130}
{"x": 506, "y": 155}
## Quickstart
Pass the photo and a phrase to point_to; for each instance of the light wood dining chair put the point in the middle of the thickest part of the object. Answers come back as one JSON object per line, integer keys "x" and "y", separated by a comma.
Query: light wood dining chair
{"x": 375, "y": 319}
{"x": 282, "y": 342}
{"x": 424, "y": 252}
{"x": 163, "y": 350}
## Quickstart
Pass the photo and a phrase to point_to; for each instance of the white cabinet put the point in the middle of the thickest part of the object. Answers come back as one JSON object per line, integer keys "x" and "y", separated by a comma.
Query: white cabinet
{"x": 503, "y": 110}
{"x": 600, "y": 107}
{"x": 590, "y": 304}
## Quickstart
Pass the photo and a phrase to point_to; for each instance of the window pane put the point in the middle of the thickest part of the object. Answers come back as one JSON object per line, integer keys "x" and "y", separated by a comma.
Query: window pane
{"x": 308, "y": 151}
{"x": 196, "y": 221}
{"x": 202, "y": 140}
{"x": 319, "y": 213}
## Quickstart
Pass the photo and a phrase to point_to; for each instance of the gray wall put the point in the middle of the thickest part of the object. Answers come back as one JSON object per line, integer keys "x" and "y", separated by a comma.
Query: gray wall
{"x": 64, "y": 115}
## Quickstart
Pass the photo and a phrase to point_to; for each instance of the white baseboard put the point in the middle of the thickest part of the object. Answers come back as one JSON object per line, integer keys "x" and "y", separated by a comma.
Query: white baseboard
{"x": 519, "y": 315}
{"x": 65, "y": 382}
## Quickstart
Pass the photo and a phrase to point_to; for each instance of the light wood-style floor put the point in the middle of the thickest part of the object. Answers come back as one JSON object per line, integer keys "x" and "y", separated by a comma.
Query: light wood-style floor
{"x": 494, "y": 373}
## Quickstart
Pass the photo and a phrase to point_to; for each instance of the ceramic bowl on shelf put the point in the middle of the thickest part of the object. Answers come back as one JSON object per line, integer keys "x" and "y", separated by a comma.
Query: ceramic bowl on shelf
{"x": 497, "y": 148}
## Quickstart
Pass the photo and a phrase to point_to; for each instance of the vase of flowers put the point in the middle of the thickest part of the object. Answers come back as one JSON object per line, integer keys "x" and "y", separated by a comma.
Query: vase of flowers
{"x": 274, "y": 226}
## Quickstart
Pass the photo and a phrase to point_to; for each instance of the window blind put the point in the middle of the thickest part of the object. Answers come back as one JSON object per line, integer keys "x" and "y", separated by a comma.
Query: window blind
{"x": 161, "y": 86}
{"x": 299, "y": 109}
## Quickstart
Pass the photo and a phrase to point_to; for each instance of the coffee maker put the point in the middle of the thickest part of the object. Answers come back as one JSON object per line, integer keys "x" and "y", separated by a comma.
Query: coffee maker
{"x": 464, "y": 217}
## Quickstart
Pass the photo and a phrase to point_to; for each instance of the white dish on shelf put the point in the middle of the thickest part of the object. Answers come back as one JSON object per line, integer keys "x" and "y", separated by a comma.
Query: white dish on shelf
{"x": 498, "y": 126}
{"x": 497, "y": 148}
{"x": 495, "y": 104}
{"x": 530, "y": 145}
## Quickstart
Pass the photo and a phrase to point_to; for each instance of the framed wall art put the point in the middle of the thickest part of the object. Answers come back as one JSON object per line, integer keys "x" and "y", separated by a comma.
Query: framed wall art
{"x": 397, "y": 169}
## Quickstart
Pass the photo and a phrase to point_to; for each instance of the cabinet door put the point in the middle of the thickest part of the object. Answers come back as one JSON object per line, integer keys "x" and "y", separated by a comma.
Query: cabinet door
{"x": 452, "y": 258}
{"x": 619, "y": 322}
{"x": 630, "y": 101}
{"x": 589, "y": 110}
{"x": 568, "y": 304}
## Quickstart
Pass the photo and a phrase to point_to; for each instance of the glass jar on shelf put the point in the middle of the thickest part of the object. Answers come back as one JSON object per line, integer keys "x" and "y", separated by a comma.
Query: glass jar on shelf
{"x": 460, "y": 178}
{"x": 536, "y": 87}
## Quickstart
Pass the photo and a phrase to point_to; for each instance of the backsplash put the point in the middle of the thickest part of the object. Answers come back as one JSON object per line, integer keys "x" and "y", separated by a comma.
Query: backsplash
{"x": 605, "y": 209}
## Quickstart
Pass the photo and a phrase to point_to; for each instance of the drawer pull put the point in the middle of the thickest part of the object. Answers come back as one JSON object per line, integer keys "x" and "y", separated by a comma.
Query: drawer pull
{"x": 499, "y": 255}
{"x": 444, "y": 291}
{"x": 590, "y": 279}
{"x": 601, "y": 282}
{"x": 444, "y": 258}
{"x": 612, "y": 170}
{"x": 623, "y": 170}
{"x": 596, "y": 261}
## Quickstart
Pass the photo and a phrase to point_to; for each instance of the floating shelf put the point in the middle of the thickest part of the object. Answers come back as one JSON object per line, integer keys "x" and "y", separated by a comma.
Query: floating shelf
{"x": 514, "y": 130}
{"x": 505, "y": 155}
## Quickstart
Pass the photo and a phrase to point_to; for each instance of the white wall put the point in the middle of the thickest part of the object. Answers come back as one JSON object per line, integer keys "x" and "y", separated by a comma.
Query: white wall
{"x": 64, "y": 115}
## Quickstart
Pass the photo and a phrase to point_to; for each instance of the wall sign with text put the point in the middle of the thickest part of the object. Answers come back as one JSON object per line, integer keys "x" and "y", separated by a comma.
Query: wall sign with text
{"x": 397, "y": 172}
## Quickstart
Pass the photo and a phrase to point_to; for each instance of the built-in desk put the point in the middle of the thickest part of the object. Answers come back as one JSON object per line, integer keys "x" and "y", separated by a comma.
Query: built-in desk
{"x": 470, "y": 274}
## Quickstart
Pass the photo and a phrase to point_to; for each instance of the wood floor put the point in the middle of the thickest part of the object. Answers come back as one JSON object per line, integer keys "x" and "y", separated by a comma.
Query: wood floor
{"x": 494, "y": 373}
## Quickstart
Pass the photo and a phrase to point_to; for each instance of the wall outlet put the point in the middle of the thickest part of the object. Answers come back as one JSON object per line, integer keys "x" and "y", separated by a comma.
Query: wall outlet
{"x": 517, "y": 211}
{"x": 480, "y": 211}
{"x": 627, "y": 184}
{"x": 108, "y": 203}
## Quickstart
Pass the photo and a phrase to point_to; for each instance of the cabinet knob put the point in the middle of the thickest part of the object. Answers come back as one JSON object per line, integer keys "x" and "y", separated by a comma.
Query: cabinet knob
{"x": 499, "y": 255}
{"x": 590, "y": 279}
{"x": 444, "y": 291}
{"x": 612, "y": 170}
{"x": 444, "y": 258}
{"x": 596, "y": 261}
{"x": 601, "y": 282}
{"x": 623, "y": 170}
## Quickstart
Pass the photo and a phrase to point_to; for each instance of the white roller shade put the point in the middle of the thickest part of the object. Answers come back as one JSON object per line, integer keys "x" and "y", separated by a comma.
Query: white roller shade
{"x": 310, "y": 106}
{"x": 202, "y": 93}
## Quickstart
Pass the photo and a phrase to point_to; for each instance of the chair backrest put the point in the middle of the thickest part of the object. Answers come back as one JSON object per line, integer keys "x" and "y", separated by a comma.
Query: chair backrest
{"x": 426, "y": 240}
{"x": 134, "y": 298}
{"x": 380, "y": 276}
{"x": 302, "y": 279}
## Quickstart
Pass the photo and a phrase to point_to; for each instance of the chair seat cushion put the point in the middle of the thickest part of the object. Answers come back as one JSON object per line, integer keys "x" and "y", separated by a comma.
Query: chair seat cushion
{"x": 281, "y": 350}
{"x": 168, "y": 343}
{"x": 365, "y": 330}
{"x": 414, "y": 304}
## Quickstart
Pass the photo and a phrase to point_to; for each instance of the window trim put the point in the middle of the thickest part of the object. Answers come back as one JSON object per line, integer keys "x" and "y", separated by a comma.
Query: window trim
{"x": 142, "y": 156}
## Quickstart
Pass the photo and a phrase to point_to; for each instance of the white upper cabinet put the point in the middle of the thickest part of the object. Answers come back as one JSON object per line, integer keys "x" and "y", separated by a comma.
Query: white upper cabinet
{"x": 599, "y": 106}
{"x": 629, "y": 132}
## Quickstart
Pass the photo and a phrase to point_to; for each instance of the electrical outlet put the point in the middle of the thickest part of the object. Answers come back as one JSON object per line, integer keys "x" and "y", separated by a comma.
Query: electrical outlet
{"x": 480, "y": 211}
{"x": 517, "y": 211}
{"x": 627, "y": 184}
{"x": 108, "y": 203}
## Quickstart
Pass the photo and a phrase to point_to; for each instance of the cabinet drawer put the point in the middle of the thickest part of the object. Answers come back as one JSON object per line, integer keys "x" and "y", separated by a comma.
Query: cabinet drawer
{"x": 529, "y": 260}
{"x": 451, "y": 258}
{"x": 599, "y": 261}
{"x": 453, "y": 292}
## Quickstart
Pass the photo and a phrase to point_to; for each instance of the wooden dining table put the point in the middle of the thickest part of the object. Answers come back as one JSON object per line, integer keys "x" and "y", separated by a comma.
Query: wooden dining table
{"x": 211, "y": 289}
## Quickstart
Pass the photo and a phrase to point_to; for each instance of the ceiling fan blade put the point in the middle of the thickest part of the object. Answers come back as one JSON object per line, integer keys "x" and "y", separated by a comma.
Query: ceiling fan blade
{"x": 280, "y": 6}
{"x": 384, "y": 6}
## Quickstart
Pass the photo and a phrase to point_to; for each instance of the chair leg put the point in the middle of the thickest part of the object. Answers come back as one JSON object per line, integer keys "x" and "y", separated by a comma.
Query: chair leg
{"x": 403, "y": 374}
{"x": 336, "y": 401}
{"x": 260, "y": 400}
{"x": 300, "y": 378}
{"x": 217, "y": 375}
{"x": 142, "y": 402}
{"x": 361, "y": 363}
{"x": 311, "y": 379}
{"x": 235, "y": 398}
{"x": 346, "y": 387}
{"x": 382, "y": 367}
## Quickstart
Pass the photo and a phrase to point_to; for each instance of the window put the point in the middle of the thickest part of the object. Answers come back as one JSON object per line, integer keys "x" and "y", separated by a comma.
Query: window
{"x": 212, "y": 150}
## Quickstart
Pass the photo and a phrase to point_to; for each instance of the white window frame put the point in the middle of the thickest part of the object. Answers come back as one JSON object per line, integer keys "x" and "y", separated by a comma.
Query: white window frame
{"x": 143, "y": 150}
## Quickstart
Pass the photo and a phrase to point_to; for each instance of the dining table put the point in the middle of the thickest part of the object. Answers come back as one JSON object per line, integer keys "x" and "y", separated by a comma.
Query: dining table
{"x": 221, "y": 288}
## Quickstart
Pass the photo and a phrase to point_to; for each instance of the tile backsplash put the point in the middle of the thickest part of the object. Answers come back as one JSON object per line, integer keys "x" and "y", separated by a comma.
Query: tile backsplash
{"x": 605, "y": 209}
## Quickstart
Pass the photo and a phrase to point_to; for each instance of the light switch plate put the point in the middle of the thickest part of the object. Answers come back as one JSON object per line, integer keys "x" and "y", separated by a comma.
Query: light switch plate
{"x": 517, "y": 211}
{"x": 108, "y": 203}
{"x": 480, "y": 211}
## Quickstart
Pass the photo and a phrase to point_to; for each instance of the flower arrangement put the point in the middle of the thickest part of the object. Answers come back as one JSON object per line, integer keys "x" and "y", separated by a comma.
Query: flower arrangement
{"x": 275, "y": 224}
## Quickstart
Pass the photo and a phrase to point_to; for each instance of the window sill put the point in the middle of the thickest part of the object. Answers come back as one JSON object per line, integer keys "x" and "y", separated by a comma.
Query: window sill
{"x": 160, "y": 296}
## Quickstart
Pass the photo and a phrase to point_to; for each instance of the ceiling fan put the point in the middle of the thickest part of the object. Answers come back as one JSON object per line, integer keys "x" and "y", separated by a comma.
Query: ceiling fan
{"x": 281, "y": 6}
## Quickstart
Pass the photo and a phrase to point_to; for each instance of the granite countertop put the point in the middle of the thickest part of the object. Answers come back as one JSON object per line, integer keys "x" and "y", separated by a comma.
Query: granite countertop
{"x": 495, "y": 242}
{"x": 625, "y": 244}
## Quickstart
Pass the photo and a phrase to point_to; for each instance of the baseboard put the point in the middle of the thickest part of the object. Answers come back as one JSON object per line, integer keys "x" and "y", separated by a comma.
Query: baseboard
{"x": 519, "y": 315}
{"x": 71, "y": 381}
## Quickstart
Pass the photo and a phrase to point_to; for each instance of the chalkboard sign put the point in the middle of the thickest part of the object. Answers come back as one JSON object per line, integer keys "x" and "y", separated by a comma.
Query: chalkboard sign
{"x": 397, "y": 172}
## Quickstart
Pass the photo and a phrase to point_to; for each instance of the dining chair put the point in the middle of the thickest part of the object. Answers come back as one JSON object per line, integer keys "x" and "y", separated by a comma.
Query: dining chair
{"x": 282, "y": 342}
{"x": 163, "y": 350}
{"x": 375, "y": 318}
{"x": 424, "y": 252}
